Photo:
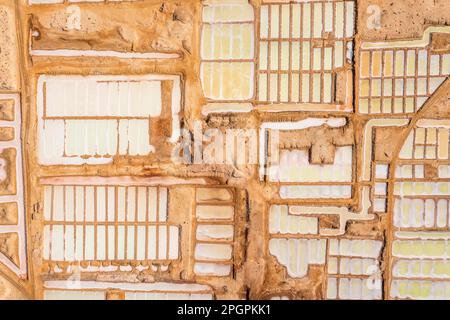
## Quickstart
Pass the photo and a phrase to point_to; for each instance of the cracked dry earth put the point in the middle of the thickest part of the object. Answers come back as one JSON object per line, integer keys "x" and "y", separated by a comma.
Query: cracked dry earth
{"x": 224, "y": 149}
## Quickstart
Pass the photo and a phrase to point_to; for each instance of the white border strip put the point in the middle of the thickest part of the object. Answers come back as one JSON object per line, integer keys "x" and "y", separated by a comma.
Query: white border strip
{"x": 434, "y": 123}
{"x": 157, "y": 286}
{"x": 95, "y": 53}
